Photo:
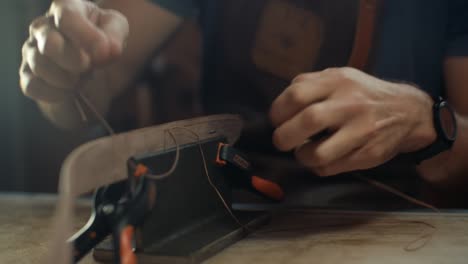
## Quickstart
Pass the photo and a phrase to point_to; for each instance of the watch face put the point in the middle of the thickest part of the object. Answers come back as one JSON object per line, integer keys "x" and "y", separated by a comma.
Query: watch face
{"x": 447, "y": 121}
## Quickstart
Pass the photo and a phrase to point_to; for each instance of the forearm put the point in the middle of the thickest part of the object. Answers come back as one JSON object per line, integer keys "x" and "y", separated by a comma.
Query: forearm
{"x": 450, "y": 169}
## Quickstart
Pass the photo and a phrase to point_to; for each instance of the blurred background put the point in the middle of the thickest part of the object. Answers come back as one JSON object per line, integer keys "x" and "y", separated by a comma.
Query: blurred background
{"x": 32, "y": 150}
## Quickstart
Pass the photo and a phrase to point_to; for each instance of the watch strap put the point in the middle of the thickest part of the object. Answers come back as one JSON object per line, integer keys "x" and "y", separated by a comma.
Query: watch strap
{"x": 442, "y": 142}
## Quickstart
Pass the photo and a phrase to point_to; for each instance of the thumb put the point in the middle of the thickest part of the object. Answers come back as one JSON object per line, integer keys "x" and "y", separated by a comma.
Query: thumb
{"x": 80, "y": 22}
{"x": 115, "y": 26}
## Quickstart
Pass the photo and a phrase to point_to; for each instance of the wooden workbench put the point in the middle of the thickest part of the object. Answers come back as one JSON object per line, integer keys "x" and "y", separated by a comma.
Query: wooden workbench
{"x": 307, "y": 236}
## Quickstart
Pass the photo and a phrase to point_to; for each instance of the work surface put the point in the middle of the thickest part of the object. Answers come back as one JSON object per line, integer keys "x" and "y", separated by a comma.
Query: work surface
{"x": 306, "y": 236}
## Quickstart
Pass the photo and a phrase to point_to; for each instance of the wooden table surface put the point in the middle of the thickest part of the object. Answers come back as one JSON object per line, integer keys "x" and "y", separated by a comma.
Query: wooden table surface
{"x": 307, "y": 236}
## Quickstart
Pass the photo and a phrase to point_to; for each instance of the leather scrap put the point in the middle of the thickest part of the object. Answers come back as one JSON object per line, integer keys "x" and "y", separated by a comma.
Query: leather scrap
{"x": 104, "y": 161}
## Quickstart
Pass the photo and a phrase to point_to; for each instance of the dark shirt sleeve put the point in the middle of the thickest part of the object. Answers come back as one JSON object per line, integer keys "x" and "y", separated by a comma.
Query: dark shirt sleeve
{"x": 184, "y": 8}
{"x": 457, "y": 44}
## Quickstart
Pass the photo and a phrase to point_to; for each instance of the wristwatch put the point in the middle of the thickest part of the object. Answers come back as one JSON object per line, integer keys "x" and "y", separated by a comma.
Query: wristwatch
{"x": 445, "y": 125}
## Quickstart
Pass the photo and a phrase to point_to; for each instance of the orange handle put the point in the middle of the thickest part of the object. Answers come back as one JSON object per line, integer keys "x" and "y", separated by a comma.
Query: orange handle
{"x": 127, "y": 256}
{"x": 140, "y": 170}
{"x": 268, "y": 188}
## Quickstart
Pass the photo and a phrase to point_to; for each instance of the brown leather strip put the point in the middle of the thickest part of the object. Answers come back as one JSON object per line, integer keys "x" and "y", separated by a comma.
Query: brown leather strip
{"x": 365, "y": 31}
{"x": 103, "y": 161}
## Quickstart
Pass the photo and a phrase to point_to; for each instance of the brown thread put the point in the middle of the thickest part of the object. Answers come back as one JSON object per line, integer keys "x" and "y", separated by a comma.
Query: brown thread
{"x": 104, "y": 123}
{"x": 205, "y": 166}
{"x": 80, "y": 109}
{"x": 392, "y": 190}
{"x": 174, "y": 163}
{"x": 409, "y": 247}
{"x": 425, "y": 238}
{"x": 96, "y": 113}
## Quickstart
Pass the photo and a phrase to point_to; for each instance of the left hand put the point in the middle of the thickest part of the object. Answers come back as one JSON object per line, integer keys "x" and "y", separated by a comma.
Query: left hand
{"x": 369, "y": 121}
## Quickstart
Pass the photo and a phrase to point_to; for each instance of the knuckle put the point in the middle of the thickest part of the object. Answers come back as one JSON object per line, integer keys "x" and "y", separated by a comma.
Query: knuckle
{"x": 354, "y": 105}
{"x": 64, "y": 12}
{"x": 356, "y": 101}
{"x": 343, "y": 73}
{"x": 36, "y": 23}
{"x": 51, "y": 44}
{"x": 36, "y": 63}
{"x": 300, "y": 78}
{"x": 347, "y": 72}
{"x": 331, "y": 71}
{"x": 296, "y": 95}
{"x": 32, "y": 28}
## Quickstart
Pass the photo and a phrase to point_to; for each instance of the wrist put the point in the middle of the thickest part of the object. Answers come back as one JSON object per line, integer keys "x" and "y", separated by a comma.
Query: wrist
{"x": 422, "y": 132}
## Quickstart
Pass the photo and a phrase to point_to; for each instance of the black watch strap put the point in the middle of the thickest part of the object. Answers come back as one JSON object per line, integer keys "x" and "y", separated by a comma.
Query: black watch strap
{"x": 443, "y": 141}
{"x": 430, "y": 151}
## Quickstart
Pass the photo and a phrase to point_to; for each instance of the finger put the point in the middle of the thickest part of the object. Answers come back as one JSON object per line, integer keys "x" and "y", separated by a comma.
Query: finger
{"x": 43, "y": 68}
{"x": 37, "y": 89}
{"x": 351, "y": 162}
{"x": 53, "y": 45}
{"x": 371, "y": 154}
{"x": 306, "y": 77}
{"x": 328, "y": 151}
{"x": 296, "y": 97}
{"x": 74, "y": 20}
{"x": 116, "y": 27}
{"x": 307, "y": 123}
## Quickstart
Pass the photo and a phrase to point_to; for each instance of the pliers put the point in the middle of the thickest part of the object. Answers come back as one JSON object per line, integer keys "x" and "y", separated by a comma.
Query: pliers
{"x": 228, "y": 156}
{"x": 118, "y": 209}
{"x": 121, "y": 207}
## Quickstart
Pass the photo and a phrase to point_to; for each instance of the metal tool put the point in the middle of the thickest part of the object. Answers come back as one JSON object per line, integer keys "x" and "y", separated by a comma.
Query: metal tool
{"x": 181, "y": 217}
{"x": 118, "y": 209}
{"x": 230, "y": 157}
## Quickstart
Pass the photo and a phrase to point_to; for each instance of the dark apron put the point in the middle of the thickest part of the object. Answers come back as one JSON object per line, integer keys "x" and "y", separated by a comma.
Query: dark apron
{"x": 257, "y": 47}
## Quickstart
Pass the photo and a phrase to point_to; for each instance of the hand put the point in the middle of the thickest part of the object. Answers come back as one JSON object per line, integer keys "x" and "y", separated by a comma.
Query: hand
{"x": 367, "y": 121}
{"x": 73, "y": 38}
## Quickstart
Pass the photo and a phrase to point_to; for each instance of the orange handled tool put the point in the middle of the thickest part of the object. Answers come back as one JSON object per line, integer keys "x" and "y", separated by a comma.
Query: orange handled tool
{"x": 127, "y": 256}
{"x": 118, "y": 209}
{"x": 229, "y": 156}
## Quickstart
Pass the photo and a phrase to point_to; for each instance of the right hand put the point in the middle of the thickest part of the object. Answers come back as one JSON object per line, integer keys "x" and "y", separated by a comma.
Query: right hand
{"x": 73, "y": 38}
